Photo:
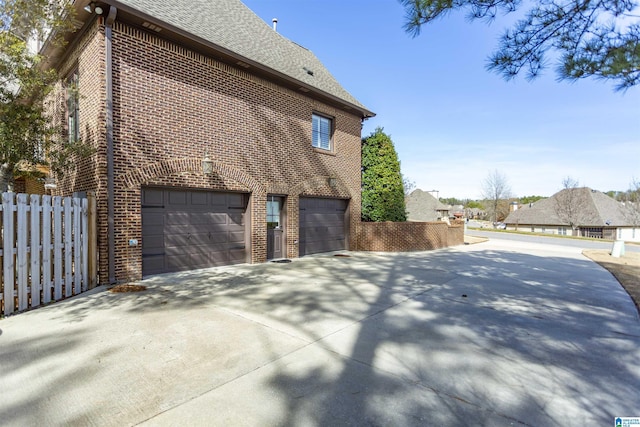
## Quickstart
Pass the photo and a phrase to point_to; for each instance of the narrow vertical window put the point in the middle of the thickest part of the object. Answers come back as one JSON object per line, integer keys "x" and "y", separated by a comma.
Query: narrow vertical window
{"x": 321, "y": 132}
{"x": 73, "y": 111}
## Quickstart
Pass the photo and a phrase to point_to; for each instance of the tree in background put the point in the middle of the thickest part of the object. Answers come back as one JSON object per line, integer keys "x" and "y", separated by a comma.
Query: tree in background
{"x": 496, "y": 190}
{"x": 568, "y": 203}
{"x": 530, "y": 199}
{"x": 408, "y": 185}
{"x": 451, "y": 201}
{"x": 27, "y": 137}
{"x": 382, "y": 186}
{"x": 599, "y": 39}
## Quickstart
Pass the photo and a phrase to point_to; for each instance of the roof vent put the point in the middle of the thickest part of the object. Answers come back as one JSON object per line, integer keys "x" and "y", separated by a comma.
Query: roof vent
{"x": 151, "y": 26}
{"x": 275, "y": 24}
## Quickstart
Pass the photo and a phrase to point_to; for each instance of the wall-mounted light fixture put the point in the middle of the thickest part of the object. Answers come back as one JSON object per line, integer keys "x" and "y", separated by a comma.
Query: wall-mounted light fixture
{"x": 93, "y": 8}
{"x": 207, "y": 165}
{"x": 50, "y": 183}
{"x": 332, "y": 182}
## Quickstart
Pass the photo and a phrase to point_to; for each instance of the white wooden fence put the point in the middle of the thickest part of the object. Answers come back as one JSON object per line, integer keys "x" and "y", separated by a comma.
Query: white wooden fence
{"x": 48, "y": 249}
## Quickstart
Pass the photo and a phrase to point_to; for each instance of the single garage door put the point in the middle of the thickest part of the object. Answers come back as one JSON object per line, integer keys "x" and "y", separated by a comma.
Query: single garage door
{"x": 322, "y": 225}
{"x": 186, "y": 230}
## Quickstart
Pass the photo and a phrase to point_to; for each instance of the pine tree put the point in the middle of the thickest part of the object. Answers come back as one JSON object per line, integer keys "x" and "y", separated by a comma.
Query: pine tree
{"x": 589, "y": 39}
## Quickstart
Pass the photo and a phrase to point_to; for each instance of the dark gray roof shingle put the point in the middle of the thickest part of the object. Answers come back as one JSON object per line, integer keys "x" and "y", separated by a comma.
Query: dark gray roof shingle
{"x": 422, "y": 206}
{"x": 231, "y": 25}
{"x": 594, "y": 209}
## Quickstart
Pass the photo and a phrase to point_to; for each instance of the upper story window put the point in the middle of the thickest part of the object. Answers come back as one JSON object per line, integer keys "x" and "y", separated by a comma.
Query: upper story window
{"x": 321, "y": 132}
{"x": 73, "y": 110}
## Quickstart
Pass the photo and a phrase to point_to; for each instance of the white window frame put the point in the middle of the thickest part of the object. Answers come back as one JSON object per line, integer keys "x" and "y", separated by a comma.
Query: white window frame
{"x": 73, "y": 107}
{"x": 322, "y": 132}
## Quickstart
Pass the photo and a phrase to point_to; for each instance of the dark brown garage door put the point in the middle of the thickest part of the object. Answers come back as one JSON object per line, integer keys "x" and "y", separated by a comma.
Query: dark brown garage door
{"x": 185, "y": 230}
{"x": 322, "y": 225}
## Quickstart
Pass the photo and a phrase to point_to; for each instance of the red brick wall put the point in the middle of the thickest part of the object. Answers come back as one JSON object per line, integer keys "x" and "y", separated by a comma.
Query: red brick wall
{"x": 407, "y": 236}
{"x": 173, "y": 105}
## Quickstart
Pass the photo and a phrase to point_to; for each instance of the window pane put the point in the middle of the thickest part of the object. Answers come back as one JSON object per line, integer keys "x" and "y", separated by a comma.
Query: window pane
{"x": 321, "y": 132}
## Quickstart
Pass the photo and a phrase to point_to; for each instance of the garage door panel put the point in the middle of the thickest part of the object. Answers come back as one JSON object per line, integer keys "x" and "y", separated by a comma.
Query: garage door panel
{"x": 184, "y": 230}
{"x": 153, "y": 245}
{"x": 237, "y": 255}
{"x": 176, "y": 217}
{"x": 154, "y": 218}
{"x": 152, "y": 197}
{"x": 154, "y": 264}
{"x": 177, "y": 198}
{"x": 236, "y": 200}
{"x": 199, "y": 198}
{"x": 207, "y": 218}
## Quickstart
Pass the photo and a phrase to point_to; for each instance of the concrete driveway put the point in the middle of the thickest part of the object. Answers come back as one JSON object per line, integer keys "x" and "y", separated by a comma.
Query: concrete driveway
{"x": 499, "y": 333}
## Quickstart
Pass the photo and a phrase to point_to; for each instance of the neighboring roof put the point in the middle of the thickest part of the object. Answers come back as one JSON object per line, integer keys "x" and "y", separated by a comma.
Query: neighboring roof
{"x": 422, "y": 206}
{"x": 594, "y": 209}
{"x": 230, "y": 25}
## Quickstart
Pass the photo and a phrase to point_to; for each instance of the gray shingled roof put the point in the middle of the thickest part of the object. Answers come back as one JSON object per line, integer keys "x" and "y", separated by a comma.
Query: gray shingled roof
{"x": 595, "y": 209}
{"x": 422, "y": 206}
{"x": 233, "y": 26}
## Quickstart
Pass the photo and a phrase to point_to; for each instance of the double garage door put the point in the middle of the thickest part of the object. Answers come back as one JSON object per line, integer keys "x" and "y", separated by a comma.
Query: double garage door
{"x": 186, "y": 230}
{"x": 322, "y": 225}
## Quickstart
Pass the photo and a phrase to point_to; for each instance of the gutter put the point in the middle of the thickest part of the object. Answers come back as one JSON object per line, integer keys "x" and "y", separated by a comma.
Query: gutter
{"x": 111, "y": 17}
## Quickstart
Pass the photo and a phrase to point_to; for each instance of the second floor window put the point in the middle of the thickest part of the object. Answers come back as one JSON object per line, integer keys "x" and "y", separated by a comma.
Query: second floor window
{"x": 73, "y": 111}
{"x": 321, "y": 132}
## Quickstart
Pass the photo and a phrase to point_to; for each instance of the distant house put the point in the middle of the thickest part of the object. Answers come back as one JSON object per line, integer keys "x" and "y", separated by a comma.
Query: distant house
{"x": 422, "y": 206}
{"x": 578, "y": 212}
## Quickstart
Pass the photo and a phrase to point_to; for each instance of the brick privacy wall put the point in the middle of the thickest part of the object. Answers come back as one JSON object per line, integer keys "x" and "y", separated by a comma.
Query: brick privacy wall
{"x": 407, "y": 236}
{"x": 172, "y": 105}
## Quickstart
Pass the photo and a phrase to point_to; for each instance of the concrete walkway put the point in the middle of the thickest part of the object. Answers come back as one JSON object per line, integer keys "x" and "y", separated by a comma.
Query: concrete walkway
{"x": 497, "y": 333}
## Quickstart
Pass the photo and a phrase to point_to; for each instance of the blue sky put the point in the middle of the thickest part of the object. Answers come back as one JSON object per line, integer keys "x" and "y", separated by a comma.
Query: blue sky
{"x": 453, "y": 122}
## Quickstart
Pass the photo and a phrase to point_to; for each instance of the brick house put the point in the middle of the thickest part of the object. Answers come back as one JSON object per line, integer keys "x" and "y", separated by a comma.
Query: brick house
{"x": 217, "y": 141}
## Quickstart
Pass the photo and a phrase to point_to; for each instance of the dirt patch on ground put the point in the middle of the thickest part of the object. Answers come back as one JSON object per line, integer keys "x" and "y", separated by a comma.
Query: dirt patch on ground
{"x": 625, "y": 268}
{"x": 127, "y": 287}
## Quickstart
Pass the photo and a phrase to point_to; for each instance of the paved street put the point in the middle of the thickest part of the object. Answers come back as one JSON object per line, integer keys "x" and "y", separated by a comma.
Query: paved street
{"x": 552, "y": 240}
{"x": 498, "y": 333}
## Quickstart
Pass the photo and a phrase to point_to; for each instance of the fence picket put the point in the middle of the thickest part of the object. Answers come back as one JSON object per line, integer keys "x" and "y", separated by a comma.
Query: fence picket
{"x": 85, "y": 244}
{"x": 21, "y": 248}
{"x": 46, "y": 249}
{"x": 57, "y": 247}
{"x": 35, "y": 250}
{"x": 7, "y": 249}
{"x": 77, "y": 247}
{"x": 68, "y": 247}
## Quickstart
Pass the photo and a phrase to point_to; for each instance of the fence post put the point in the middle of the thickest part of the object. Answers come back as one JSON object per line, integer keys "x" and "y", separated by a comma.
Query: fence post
{"x": 92, "y": 239}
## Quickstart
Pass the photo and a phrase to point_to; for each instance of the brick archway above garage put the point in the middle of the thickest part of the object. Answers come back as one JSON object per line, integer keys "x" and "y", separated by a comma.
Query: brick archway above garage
{"x": 150, "y": 171}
